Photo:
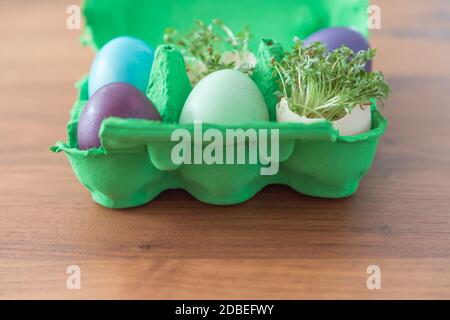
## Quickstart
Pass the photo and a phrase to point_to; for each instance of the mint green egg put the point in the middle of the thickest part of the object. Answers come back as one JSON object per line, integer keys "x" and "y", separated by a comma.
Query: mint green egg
{"x": 225, "y": 97}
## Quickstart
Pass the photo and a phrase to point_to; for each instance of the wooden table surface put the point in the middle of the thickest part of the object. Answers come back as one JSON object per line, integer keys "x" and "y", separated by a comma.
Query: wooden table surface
{"x": 278, "y": 245}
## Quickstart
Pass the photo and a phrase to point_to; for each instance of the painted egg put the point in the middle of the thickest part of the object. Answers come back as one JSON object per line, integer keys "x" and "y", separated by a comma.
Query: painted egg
{"x": 358, "y": 121}
{"x": 114, "y": 100}
{"x": 122, "y": 59}
{"x": 225, "y": 97}
{"x": 335, "y": 37}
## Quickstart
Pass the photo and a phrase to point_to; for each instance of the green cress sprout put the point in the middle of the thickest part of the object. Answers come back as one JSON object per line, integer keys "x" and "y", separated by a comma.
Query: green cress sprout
{"x": 321, "y": 84}
{"x": 205, "y": 48}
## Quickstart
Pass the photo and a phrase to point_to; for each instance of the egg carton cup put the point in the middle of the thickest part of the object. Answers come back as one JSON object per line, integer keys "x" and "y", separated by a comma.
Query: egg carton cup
{"x": 134, "y": 163}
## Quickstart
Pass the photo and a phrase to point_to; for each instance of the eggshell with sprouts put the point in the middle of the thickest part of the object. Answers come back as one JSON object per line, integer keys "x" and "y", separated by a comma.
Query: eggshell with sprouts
{"x": 358, "y": 121}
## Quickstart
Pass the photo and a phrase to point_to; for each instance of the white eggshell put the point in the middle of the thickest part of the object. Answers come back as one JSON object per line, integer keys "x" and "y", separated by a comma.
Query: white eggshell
{"x": 196, "y": 67}
{"x": 358, "y": 121}
{"x": 239, "y": 59}
{"x": 284, "y": 114}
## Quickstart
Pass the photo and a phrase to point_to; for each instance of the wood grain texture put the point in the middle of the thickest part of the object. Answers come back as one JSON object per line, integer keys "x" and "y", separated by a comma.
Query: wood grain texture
{"x": 278, "y": 245}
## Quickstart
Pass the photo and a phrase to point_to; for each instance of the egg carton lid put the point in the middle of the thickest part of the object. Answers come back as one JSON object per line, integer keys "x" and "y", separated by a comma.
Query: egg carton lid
{"x": 281, "y": 20}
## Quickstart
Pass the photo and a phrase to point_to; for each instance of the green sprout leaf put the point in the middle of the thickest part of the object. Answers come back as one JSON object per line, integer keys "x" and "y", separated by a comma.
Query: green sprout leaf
{"x": 321, "y": 84}
{"x": 205, "y": 45}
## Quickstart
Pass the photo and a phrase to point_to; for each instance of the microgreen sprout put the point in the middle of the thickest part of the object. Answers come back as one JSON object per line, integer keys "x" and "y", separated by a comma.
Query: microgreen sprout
{"x": 321, "y": 84}
{"x": 212, "y": 47}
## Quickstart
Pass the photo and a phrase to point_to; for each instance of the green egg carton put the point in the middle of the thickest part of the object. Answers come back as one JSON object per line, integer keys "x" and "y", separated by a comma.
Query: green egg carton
{"x": 134, "y": 163}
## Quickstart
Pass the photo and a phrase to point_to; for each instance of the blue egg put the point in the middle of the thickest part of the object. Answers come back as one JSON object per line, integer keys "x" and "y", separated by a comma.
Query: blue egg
{"x": 123, "y": 59}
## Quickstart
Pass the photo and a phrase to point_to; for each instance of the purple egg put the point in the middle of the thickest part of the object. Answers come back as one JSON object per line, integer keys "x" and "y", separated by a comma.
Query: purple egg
{"x": 335, "y": 37}
{"x": 113, "y": 100}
